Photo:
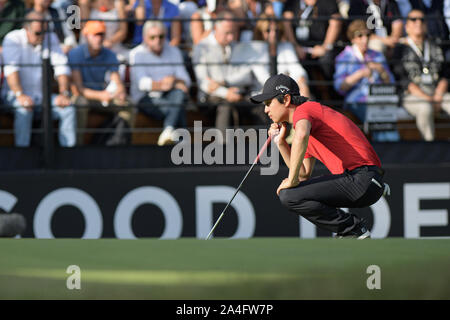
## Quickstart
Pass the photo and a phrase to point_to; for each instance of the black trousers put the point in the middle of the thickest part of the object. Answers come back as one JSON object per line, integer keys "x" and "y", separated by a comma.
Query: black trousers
{"x": 319, "y": 199}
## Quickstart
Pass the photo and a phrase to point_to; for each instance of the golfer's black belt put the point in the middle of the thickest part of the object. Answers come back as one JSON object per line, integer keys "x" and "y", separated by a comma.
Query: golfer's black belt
{"x": 370, "y": 168}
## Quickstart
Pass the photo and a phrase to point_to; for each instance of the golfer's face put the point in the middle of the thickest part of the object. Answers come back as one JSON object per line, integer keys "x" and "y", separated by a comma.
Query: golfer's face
{"x": 275, "y": 110}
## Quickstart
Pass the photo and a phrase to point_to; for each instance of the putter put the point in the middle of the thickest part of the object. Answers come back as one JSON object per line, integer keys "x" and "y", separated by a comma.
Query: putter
{"x": 264, "y": 147}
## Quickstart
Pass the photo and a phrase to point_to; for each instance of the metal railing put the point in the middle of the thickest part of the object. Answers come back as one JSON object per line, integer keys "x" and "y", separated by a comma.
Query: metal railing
{"x": 47, "y": 127}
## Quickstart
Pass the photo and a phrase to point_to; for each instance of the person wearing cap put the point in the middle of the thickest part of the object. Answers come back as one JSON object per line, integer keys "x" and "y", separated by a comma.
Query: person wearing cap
{"x": 22, "y": 56}
{"x": 97, "y": 82}
{"x": 321, "y": 133}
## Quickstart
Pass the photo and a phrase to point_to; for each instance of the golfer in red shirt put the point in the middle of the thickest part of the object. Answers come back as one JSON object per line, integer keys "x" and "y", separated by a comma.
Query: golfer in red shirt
{"x": 324, "y": 134}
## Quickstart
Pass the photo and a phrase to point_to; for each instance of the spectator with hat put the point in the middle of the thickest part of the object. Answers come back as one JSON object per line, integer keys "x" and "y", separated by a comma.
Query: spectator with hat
{"x": 96, "y": 77}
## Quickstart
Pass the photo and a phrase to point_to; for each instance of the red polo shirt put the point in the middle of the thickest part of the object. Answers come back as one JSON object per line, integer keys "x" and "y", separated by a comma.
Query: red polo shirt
{"x": 335, "y": 140}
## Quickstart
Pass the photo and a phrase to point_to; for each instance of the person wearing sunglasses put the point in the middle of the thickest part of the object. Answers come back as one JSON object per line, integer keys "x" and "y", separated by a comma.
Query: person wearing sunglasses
{"x": 383, "y": 18}
{"x": 56, "y": 23}
{"x": 422, "y": 74}
{"x": 358, "y": 67}
{"x": 159, "y": 80}
{"x": 22, "y": 54}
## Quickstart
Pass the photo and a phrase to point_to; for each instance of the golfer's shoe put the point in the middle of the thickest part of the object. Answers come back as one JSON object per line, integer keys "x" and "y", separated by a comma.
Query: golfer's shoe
{"x": 359, "y": 232}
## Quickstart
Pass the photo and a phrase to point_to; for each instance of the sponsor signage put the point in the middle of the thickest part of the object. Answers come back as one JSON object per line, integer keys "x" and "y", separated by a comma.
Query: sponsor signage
{"x": 185, "y": 202}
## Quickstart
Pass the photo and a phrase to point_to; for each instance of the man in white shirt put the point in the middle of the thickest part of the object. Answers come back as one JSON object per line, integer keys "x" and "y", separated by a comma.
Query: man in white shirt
{"x": 159, "y": 80}
{"x": 22, "y": 54}
{"x": 225, "y": 73}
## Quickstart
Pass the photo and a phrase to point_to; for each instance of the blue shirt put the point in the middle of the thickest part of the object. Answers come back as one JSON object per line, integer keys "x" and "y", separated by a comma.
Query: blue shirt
{"x": 347, "y": 63}
{"x": 93, "y": 69}
{"x": 169, "y": 11}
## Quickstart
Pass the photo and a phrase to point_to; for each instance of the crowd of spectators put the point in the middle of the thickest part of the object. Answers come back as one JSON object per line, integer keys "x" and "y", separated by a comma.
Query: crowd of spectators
{"x": 157, "y": 56}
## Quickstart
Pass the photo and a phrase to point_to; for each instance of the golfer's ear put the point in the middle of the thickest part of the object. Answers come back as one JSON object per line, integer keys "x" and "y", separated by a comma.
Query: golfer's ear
{"x": 287, "y": 99}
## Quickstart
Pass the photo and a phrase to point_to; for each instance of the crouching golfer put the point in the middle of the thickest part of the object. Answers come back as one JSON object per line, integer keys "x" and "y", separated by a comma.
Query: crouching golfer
{"x": 324, "y": 134}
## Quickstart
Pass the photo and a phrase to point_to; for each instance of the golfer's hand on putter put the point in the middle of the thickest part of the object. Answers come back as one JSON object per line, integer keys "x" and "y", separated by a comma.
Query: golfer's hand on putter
{"x": 277, "y": 132}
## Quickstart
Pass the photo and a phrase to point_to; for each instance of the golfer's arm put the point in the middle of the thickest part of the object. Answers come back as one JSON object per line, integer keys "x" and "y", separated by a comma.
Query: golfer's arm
{"x": 285, "y": 152}
{"x": 298, "y": 150}
{"x": 308, "y": 163}
{"x": 307, "y": 168}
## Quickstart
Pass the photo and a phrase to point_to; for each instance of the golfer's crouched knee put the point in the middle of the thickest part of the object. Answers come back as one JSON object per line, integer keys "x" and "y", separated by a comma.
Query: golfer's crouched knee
{"x": 287, "y": 200}
{"x": 291, "y": 200}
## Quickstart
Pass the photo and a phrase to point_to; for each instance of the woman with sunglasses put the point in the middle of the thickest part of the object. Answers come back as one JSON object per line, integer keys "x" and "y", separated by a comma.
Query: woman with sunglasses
{"x": 357, "y": 67}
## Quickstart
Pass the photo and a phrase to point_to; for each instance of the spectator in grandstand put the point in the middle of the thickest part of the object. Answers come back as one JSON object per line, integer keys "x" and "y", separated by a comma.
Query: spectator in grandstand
{"x": 57, "y": 24}
{"x": 357, "y": 67}
{"x": 271, "y": 32}
{"x": 422, "y": 74}
{"x": 383, "y": 18}
{"x": 221, "y": 83}
{"x": 159, "y": 80}
{"x": 436, "y": 12}
{"x": 96, "y": 79}
{"x": 10, "y": 10}
{"x": 23, "y": 71}
{"x": 314, "y": 37}
{"x": 116, "y": 32}
{"x": 201, "y": 24}
{"x": 160, "y": 9}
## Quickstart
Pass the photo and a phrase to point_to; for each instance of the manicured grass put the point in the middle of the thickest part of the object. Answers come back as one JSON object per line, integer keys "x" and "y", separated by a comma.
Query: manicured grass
{"x": 261, "y": 268}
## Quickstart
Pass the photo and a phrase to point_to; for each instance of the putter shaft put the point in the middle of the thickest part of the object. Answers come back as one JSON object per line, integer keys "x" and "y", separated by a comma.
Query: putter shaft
{"x": 264, "y": 147}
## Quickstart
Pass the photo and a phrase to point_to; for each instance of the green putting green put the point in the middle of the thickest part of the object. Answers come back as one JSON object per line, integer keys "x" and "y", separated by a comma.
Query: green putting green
{"x": 260, "y": 268}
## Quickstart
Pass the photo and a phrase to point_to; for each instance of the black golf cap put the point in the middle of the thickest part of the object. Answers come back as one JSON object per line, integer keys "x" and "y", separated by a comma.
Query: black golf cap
{"x": 277, "y": 85}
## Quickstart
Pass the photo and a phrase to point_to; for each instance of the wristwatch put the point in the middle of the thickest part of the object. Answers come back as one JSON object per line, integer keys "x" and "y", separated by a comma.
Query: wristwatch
{"x": 18, "y": 94}
{"x": 66, "y": 93}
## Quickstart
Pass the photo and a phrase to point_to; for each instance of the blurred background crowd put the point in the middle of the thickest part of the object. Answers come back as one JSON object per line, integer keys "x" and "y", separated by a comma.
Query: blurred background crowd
{"x": 140, "y": 69}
